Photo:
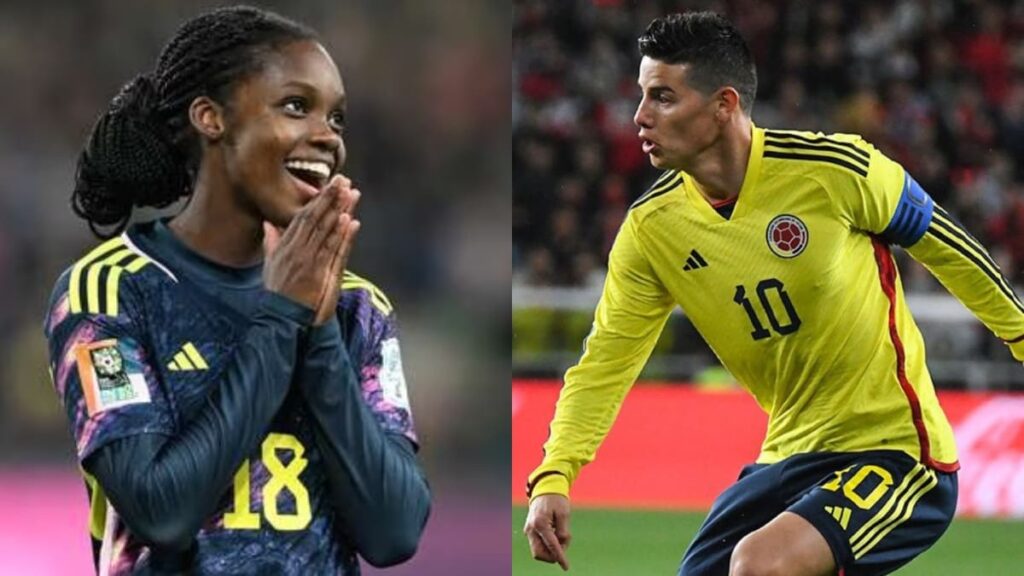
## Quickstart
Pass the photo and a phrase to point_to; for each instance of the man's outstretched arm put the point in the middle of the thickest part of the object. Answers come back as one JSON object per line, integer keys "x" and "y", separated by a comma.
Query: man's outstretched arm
{"x": 965, "y": 268}
{"x": 629, "y": 318}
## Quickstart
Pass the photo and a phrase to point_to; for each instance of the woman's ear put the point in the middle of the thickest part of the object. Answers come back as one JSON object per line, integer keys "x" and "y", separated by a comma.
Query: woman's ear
{"x": 207, "y": 117}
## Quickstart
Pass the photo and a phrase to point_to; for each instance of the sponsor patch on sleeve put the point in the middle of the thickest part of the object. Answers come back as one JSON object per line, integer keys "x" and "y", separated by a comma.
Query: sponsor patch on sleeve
{"x": 107, "y": 380}
{"x": 392, "y": 377}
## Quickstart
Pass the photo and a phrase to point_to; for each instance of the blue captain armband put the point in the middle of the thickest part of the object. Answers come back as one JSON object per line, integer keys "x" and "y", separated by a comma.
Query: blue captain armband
{"x": 912, "y": 216}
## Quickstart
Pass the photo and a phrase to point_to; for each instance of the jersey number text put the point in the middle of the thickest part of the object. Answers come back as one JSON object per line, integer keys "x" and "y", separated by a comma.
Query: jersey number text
{"x": 851, "y": 484}
{"x": 282, "y": 476}
{"x": 763, "y": 288}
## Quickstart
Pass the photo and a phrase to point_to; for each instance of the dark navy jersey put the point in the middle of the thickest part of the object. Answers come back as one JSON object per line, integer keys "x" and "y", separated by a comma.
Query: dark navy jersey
{"x": 140, "y": 331}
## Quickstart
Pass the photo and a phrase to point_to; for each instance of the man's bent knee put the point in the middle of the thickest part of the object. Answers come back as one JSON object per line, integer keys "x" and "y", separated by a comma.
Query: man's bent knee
{"x": 752, "y": 558}
{"x": 788, "y": 545}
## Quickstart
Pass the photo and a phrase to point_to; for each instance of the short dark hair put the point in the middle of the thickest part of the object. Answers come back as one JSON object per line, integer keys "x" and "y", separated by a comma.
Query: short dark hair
{"x": 143, "y": 150}
{"x": 716, "y": 52}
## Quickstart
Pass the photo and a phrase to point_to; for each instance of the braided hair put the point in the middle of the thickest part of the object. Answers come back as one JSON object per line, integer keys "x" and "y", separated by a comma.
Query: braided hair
{"x": 143, "y": 151}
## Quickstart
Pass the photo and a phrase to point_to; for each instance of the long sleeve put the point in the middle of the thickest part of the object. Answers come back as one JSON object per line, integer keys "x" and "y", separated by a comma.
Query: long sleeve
{"x": 965, "y": 268}
{"x": 378, "y": 491}
{"x": 629, "y": 318}
{"x": 165, "y": 486}
{"x": 892, "y": 206}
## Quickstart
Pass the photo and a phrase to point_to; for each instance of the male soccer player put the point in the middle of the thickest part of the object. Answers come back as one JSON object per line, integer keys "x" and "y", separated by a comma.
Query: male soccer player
{"x": 777, "y": 246}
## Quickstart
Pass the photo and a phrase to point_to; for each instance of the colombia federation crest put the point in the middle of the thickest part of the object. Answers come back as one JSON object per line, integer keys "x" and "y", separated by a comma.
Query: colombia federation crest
{"x": 786, "y": 236}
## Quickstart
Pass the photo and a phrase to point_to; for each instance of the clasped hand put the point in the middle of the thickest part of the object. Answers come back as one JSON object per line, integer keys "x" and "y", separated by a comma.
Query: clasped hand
{"x": 305, "y": 261}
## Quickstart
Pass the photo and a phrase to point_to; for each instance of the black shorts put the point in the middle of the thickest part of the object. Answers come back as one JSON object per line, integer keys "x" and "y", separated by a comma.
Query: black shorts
{"x": 877, "y": 510}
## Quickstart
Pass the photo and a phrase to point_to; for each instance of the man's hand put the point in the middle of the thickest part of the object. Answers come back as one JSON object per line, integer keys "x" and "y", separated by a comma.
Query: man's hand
{"x": 547, "y": 529}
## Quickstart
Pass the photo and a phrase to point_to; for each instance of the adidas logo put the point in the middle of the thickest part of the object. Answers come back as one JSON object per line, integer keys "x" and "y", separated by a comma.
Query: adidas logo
{"x": 188, "y": 358}
{"x": 841, "y": 514}
{"x": 695, "y": 261}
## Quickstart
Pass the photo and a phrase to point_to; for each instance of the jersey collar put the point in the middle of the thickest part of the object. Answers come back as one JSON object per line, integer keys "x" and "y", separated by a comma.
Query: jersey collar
{"x": 754, "y": 161}
{"x": 199, "y": 268}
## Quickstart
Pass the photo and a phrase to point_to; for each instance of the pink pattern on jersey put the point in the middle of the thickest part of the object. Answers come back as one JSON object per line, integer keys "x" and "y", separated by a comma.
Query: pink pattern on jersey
{"x": 370, "y": 382}
{"x": 58, "y": 313}
{"x": 395, "y": 418}
{"x": 83, "y": 334}
{"x": 376, "y": 327}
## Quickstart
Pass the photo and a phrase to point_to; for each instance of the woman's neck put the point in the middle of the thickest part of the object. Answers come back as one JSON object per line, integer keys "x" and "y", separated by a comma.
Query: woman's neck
{"x": 216, "y": 226}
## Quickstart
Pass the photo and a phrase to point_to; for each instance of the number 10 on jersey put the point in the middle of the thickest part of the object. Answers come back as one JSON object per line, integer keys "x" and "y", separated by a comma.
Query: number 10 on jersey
{"x": 764, "y": 289}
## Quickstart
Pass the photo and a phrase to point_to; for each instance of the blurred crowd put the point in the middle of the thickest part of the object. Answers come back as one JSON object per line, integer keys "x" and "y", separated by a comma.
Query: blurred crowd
{"x": 936, "y": 85}
{"x": 428, "y": 144}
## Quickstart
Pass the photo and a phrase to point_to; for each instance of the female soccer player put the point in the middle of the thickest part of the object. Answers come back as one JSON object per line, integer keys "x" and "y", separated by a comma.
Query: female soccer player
{"x": 236, "y": 396}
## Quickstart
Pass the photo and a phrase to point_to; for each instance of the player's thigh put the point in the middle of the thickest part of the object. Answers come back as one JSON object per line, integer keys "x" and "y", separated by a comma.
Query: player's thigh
{"x": 745, "y": 506}
{"x": 880, "y": 512}
{"x": 788, "y": 545}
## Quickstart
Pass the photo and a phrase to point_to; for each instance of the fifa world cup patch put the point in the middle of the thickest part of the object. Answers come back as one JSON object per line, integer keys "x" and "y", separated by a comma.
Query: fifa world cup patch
{"x": 392, "y": 377}
{"x": 108, "y": 381}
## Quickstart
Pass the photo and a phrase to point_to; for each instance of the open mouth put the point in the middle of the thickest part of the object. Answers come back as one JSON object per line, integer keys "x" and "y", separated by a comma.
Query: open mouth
{"x": 648, "y": 146}
{"x": 313, "y": 174}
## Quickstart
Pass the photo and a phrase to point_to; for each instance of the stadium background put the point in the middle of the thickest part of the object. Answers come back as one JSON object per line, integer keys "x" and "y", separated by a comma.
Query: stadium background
{"x": 937, "y": 85}
{"x": 428, "y": 141}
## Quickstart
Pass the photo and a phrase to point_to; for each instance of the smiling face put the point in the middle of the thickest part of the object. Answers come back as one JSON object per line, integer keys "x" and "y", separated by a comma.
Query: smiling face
{"x": 677, "y": 122}
{"x": 283, "y": 135}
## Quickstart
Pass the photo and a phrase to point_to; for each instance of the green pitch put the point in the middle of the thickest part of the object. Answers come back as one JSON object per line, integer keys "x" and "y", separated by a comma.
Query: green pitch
{"x": 617, "y": 542}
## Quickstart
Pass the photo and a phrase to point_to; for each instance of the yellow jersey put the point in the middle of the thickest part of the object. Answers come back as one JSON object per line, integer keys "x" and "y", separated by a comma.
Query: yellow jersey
{"x": 798, "y": 295}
